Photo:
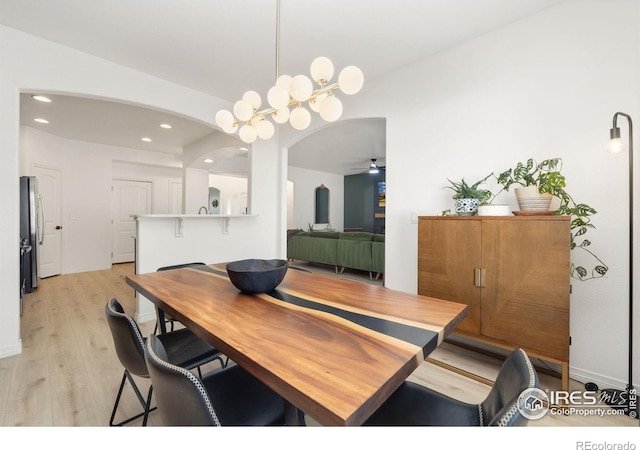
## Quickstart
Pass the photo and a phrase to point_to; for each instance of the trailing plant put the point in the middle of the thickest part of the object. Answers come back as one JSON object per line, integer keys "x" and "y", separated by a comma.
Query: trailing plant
{"x": 547, "y": 176}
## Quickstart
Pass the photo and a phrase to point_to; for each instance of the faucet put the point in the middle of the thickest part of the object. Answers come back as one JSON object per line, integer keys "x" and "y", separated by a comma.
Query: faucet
{"x": 206, "y": 211}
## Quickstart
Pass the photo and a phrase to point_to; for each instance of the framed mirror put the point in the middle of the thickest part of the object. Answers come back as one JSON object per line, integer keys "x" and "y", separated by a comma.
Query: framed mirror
{"x": 322, "y": 204}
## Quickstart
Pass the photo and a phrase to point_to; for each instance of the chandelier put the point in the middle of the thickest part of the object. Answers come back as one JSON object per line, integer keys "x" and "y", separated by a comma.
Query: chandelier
{"x": 289, "y": 97}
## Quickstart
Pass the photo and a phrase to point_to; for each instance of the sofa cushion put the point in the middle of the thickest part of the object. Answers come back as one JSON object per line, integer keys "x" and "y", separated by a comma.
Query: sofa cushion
{"x": 325, "y": 234}
{"x": 378, "y": 238}
{"x": 357, "y": 236}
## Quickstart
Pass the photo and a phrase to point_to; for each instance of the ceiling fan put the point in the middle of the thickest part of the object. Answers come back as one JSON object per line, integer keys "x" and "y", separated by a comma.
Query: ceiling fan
{"x": 373, "y": 167}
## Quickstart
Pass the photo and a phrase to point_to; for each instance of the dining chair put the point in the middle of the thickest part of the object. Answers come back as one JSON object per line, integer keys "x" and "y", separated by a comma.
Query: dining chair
{"x": 183, "y": 349}
{"x": 415, "y": 405}
{"x": 164, "y": 316}
{"x": 227, "y": 396}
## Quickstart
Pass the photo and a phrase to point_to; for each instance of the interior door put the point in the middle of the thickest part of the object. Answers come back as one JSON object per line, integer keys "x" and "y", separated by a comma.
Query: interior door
{"x": 128, "y": 198}
{"x": 48, "y": 206}
{"x": 175, "y": 197}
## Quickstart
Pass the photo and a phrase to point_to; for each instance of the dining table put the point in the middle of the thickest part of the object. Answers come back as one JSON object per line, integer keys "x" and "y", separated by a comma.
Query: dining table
{"x": 335, "y": 349}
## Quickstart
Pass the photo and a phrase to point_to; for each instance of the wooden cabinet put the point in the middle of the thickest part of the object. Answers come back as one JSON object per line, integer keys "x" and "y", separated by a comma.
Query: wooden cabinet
{"x": 512, "y": 272}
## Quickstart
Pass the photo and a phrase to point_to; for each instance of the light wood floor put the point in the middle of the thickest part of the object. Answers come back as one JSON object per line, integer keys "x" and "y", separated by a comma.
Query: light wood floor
{"x": 68, "y": 373}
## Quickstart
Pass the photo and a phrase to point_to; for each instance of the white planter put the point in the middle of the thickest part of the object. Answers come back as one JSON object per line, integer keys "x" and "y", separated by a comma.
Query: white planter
{"x": 493, "y": 210}
{"x": 529, "y": 199}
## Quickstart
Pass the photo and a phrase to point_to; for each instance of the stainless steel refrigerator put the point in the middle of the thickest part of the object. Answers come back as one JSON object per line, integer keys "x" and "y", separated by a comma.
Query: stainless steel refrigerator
{"x": 31, "y": 216}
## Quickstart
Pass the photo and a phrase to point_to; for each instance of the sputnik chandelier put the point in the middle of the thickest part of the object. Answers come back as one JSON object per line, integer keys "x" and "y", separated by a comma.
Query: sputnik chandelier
{"x": 287, "y": 99}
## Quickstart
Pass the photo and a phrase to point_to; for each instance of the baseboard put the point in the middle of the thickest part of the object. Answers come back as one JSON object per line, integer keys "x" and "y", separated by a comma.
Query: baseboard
{"x": 603, "y": 382}
{"x": 11, "y": 350}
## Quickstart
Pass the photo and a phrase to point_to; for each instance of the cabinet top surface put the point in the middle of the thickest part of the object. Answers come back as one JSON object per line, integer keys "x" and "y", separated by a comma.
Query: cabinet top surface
{"x": 540, "y": 217}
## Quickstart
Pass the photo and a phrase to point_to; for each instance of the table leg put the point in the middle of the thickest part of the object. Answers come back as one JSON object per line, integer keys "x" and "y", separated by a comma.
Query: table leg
{"x": 160, "y": 318}
{"x": 293, "y": 416}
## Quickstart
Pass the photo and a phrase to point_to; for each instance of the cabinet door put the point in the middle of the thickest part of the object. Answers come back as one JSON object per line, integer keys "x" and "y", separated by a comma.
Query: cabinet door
{"x": 526, "y": 298}
{"x": 449, "y": 251}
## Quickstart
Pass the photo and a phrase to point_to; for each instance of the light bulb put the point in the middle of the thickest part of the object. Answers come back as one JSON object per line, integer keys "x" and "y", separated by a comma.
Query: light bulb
{"x": 350, "y": 80}
{"x": 243, "y": 110}
{"x": 224, "y": 118}
{"x": 300, "y": 118}
{"x": 253, "y": 98}
{"x": 321, "y": 69}
{"x": 314, "y": 102}
{"x": 615, "y": 146}
{"x": 231, "y": 128}
{"x": 265, "y": 129}
{"x": 278, "y": 97}
{"x": 281, "y": 115}
{"x": 301, "y": 88}
{"x": 248, "y": 134}
{"x": 284, "y": 81}
{"x": 331, "y": 109}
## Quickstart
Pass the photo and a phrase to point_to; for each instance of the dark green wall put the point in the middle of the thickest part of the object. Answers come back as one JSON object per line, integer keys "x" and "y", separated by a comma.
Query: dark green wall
{"x": 361, "y": 202}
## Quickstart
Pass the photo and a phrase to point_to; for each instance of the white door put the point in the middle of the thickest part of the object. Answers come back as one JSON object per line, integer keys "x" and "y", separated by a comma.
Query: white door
{"x": 128, "y": 198}
{"x": 175, "y": 197}
{"x": 50, "y": 223}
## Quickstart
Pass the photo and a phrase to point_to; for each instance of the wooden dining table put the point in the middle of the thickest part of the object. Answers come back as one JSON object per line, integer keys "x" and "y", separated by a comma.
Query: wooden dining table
{"x": 334, "y": 349}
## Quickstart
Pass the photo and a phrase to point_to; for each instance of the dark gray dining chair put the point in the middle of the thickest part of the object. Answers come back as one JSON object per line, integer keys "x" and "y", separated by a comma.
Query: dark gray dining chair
{"x": 415, "y": 405}
{"x": 229, "y": 396}
{"x": 183, "y": 348}
{"x": 163, "y": 318}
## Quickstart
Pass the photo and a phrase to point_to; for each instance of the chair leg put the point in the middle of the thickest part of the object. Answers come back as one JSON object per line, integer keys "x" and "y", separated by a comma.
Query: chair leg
{"x": 145, "y": 403}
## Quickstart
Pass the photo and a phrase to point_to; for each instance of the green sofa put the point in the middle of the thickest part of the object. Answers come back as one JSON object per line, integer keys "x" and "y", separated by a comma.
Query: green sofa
{"x": 353, "y": 250}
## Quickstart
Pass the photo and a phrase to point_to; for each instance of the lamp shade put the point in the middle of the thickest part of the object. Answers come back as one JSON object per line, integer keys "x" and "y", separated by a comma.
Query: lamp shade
{"x": 278, "y": 97}
{"x": 321, "y": 69}
{"x": 316, "y": 101}
{"x": 224, "y": 119}
{"x": 301, "y": 88}
{"x": 248, "y": 134}
{"x": 253, "y": 98}
{"x": 284, "y": 81}
{"x": 243, "y": 110}
{"x": 231, "y": 128}
{"x": 281, "y": 115}
{"x": 300, "y": 118}
{"x": 350, "y": 80}
{"x": 265, "y": 129}
{"x": 331, "y": 109}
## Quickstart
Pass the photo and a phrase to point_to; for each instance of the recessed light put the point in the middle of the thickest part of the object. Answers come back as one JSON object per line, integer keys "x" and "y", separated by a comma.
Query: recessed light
{"x": 146, "y": 139}
{"x": 40, "y": 120}
{"x": 208, "y": 160}
{"x": 244, "y": 149}
{"x": 41, "y": 98}
{"x": 166, "y": 126}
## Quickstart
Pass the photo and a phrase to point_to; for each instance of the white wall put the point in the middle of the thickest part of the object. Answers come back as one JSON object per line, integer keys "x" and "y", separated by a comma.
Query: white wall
{"x": 546, "y": 86}
{"x": 35, "y": 65}
{"x": 305, "y": 182}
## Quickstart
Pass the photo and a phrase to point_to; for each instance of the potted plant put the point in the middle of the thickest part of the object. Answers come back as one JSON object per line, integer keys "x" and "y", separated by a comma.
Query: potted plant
{"x": 546, "y": 178}
{"x": 468, "y": 197}
{"x": 539, "y": 183}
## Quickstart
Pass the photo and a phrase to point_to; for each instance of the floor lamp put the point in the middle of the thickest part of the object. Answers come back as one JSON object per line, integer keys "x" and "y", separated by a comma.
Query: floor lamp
{"x": 612, "y": 396}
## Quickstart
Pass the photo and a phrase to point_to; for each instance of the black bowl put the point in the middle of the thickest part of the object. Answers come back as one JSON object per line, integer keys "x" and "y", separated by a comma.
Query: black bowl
{"x": 254, "y": 276}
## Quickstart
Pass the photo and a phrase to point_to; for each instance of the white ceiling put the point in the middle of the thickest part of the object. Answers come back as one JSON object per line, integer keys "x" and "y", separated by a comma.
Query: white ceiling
{"x": 225, "y": 47}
